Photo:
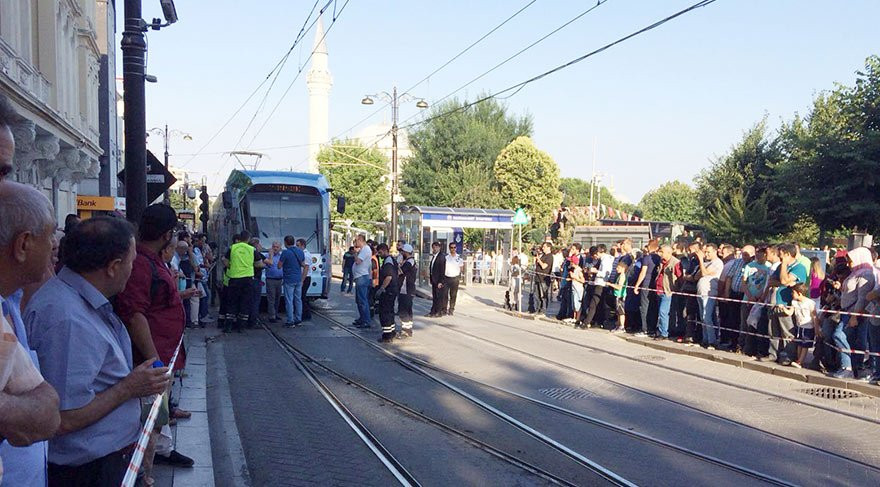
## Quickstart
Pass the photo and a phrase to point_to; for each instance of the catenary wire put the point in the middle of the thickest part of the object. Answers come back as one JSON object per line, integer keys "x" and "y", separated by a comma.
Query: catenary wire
{"x": 568, "y": 64}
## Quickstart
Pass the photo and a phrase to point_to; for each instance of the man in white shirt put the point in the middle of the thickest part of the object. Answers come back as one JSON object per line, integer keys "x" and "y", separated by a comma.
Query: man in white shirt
{"x": 707, "y": 288}
{"x": 599, "y": 276}
{"x": 361, "y": 270}
{"x": 454, "y": 264}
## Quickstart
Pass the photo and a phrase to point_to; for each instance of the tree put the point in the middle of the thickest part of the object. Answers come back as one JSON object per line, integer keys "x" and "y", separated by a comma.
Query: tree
{"x": 458, "y": 140}
{"x": 360, "y": 174}
{"x": 529, "y": 178}
{"x": 672, "y": 201}
{"x": 738, "y": 221}
{"x": 833, "y": 167}
{"x": 577, "y": 193}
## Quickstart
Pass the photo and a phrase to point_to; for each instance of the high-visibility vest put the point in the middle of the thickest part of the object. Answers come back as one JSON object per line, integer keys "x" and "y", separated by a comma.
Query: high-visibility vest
{"x": 241, "y": 261}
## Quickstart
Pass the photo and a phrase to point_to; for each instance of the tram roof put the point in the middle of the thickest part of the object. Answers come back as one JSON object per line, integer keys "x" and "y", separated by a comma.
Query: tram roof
{"x": 445, "y": 210}
{"x": 280, "y": 177}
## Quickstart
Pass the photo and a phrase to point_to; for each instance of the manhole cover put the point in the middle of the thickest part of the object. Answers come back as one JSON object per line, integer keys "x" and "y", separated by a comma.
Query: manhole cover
{"x": 832, "y": 393}
{"x": 567, "y": 393}
{"x": 651, "y": 358}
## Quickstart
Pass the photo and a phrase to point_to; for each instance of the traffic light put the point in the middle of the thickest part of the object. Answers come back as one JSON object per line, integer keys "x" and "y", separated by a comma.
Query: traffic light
{"x": 203, "y": 208}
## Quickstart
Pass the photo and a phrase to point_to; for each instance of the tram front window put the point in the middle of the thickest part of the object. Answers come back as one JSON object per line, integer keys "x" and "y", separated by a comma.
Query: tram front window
{"x": 274, "y": 215}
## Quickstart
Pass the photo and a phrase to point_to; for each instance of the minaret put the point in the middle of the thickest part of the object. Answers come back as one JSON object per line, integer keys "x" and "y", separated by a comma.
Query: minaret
{"x": 318, "y": 82}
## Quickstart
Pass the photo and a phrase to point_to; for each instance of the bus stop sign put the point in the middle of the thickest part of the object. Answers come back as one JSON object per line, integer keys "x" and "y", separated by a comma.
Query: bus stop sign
{"x": 520, "y": 218}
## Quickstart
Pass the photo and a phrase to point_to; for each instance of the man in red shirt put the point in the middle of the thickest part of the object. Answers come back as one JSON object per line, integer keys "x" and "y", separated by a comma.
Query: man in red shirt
{"x": 151, "y": 306}
{"x": 666, "y": 283}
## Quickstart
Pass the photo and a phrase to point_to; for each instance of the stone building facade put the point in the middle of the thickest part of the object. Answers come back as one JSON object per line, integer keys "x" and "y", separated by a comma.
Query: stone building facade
{"x": 49, "y": 68}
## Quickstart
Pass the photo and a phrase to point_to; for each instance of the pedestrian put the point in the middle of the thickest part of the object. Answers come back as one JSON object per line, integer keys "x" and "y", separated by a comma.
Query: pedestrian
{"x": 707, "y": 289}
{"x": 644, "y": 283}
{"x": 347, "y": 264}
{"x": 239, "y": 262}
{"x": 182, "y": 264}
{"x": 292, "y": 263}
{"x": 85, "y": 351}
{"x": 790, "y": 272}
{"x": 853, "y": 299}
{"x": 804, "y": 313}
{"x": 567, "y": 305}
{"x": 817, "y": 280}
{"x": 451, "y": 279}
{"x": 690, "y": 267}
{"x": 755, "y": 274}
{"x": 28, "y": 403}
{"x": 668, "y": 274}
{"x": 544, "y": 276}
{"x": 598, "y": 275}
{"x": 361, "y": 272}
{"x": 202, "y": 258}
{"x": 408, "y": 273}
{"x": 274, "y": 281}
{"x": 256, "y": 283}
{"x": 619, "y": 292}
{"x": 437, "y": 274}
{"x": 577, "y": 281}
{"x": 308, "y": 262}
{"x": 515, "y": 284}
{"x": 733, "y": 317}
{"x": 386, "y": 293}
{"x": 151, "y": 307}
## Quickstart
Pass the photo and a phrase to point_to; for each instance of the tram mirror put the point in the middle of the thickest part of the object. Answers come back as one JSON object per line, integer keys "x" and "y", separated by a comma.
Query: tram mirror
{"x": 227, "y": 200}
{"x": 340, "y": 204}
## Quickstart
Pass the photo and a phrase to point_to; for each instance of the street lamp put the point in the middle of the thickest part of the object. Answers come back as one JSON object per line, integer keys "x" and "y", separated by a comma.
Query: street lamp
{"x": 394, "y": 99}
{"x": 166, "y": 134}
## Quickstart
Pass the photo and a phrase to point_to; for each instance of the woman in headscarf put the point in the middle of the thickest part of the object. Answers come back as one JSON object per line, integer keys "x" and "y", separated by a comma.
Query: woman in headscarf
{"x": 853, "y": 298}
{"x": 873, "y": 308}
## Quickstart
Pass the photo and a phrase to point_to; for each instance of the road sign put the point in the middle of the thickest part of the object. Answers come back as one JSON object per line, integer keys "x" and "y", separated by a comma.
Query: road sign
{"x": 520, "y": 218}
{"x": 158, "y": 178}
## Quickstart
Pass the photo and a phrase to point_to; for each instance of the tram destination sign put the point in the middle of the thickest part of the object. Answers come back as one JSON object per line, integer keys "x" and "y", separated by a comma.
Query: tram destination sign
{"x": 283, "y": 188}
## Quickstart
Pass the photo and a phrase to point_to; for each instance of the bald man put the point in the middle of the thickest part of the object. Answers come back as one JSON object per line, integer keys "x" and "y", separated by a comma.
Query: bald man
{"x": 27, "y": 228}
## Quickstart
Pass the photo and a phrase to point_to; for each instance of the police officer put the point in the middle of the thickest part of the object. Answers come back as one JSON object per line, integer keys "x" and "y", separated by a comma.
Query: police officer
{"x": 387, "y": 291}
{"x": 408, "y": 273}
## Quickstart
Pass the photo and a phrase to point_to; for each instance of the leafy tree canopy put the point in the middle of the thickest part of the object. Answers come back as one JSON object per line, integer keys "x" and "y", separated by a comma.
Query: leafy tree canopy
{"x": 529, "y": 178}
{"x": 672, "y": 201}
{"x": 360, "y": 174}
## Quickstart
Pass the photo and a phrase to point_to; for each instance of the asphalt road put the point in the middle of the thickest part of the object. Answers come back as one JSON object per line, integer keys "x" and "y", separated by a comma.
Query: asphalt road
{"x": 292, "y": 436}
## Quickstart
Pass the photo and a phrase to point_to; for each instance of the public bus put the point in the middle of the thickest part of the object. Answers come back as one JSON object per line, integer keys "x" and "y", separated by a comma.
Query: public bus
{"x": 272, "y": 204}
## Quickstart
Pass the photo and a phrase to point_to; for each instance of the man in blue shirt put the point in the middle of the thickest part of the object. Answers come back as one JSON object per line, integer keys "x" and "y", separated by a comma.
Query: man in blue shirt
{"x": 25, "y": 255}
{"x": 292, "y": 262}
{"x": 790, "y": 272}
{"x": 85, "y": 352}
{"x": 274, "y": 277}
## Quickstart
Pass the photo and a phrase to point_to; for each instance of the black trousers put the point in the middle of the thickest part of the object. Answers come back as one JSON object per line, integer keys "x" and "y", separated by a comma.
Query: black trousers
{"x": 105, "y": 471}
{"x": 386, "y": 314}
{"x": 543, "y": 292}
{"x": 594, "y": 304}
{"x": 256, "y": 294}
{"x": 648, "y": 309}
{"x": 435, "y": 299}
{"x": 451, "y": 285}
{"x": 240, "y": 291}
{"x": 693, "y": 329}
{"x": 404, "y": 308}
{"x": 307, "y": 308}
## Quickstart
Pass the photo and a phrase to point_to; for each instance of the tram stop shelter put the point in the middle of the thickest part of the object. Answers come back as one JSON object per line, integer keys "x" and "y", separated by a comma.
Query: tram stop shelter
{"x": 493, "y": 229}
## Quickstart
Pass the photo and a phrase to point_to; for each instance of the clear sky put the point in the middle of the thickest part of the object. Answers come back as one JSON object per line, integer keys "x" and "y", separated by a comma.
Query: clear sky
{"x": 660, "y": 106}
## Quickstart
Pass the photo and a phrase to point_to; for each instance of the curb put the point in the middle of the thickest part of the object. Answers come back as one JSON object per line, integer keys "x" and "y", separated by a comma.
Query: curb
{"x": 803, "y": 375}
{"x": 230, "y": 465}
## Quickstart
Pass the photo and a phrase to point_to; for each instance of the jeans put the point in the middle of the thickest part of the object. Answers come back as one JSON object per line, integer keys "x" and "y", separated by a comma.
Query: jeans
{"x": 293, "y": 301}
{"x": 707, "y": 316}
{"x": 840, "y": 341}
{"x": 858, "y": 340}
{"x": 205, "y": 303}
{"x": 362, "y": 296}
{"x": 874, "y": 341}
{"x": 665, "y": 303}
{"x": 346, "y": 276}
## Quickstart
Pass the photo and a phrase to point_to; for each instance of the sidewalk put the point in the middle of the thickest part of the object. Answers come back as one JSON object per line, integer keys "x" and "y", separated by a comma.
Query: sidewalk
{"x": 191, "y": 436}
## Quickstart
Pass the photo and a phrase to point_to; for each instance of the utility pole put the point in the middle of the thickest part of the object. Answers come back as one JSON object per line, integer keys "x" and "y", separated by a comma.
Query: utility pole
{"x": 134, "y": 48}
{"x": 167, "y": 168}
{"x": 394, "y": 107}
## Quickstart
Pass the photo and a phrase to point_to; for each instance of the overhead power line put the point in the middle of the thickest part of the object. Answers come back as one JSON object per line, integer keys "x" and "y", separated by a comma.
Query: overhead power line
{"x": 516, "y": 54}
{"x": 276, "y": 68}
{"x": 519, "y": 86}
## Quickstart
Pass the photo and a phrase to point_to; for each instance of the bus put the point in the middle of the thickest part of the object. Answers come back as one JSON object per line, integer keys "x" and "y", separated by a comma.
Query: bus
{"x": 273, "y": 204}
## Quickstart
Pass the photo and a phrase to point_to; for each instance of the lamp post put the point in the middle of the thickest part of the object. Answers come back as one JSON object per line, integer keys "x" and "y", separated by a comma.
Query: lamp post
{"x": 394, "y": 99}
{"x": 165, "y": 137}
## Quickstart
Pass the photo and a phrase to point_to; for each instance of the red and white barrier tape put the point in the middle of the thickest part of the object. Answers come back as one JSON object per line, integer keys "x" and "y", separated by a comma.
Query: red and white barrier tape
{"x": 138, "y": 456}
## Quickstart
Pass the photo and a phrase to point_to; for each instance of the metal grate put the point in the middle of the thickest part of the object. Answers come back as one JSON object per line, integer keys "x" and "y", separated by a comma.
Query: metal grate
{"x": 567, "y": 393}
{"x": 832, "y": 393}
{"x": 650, "y": 358}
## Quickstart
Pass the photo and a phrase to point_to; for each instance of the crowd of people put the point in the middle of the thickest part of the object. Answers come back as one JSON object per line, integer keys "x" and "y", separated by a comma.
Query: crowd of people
{"x": 91, "y": 319}
{"x": 767, "y": 301}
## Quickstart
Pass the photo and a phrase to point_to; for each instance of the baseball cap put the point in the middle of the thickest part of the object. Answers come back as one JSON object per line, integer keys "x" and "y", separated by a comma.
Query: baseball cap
{"x": 407, "y": 248}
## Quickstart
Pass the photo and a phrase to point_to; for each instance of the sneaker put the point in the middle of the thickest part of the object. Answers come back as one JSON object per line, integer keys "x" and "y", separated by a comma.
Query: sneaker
{"x": 796, "y": 365}
{"x": 843, "y": 374}
{"x": 618, "y": 330}
{"x": 288, "y": 325}
{"x": 403, "y": 334}
{"x": 175, "y": 459}
{"x": 865, "y": 377}
{"x": 875, "y": 379}
{"x": 640, "y": 334}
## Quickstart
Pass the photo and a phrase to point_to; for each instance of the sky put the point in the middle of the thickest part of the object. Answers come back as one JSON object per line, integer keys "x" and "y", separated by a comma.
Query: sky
{"x": 659, "y": 107}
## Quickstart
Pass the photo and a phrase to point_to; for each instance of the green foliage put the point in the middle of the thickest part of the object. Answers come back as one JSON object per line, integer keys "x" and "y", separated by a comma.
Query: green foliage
{"x": 529, "y": 178}
{"x": 455, "y": 153}
{"x": 672, "y": 201}
{"x": 739, "y": 221}
{"x": 577, "y": 193}
{"x": 804, "y": 231}
{"x": 359, "y": 173}
{"x": 178, "y": 200}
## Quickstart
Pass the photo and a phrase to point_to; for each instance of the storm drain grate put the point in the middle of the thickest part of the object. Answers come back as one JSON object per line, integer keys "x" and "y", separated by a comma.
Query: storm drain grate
{"x": 832, "y": 393}
{"x": 567, "y": 393}
{"x": 650, "y": 358}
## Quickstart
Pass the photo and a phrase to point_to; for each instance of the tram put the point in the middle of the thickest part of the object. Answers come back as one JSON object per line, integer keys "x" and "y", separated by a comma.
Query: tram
{"x": 273, "y": 204}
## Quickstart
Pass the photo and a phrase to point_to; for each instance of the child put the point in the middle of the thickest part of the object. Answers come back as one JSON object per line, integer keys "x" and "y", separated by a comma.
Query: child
{"x": 804, "y": 314}
{"x": 619, "y": 287}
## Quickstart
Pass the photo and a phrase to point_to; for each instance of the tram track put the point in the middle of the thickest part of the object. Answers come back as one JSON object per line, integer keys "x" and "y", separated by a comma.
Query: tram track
{"x": 410, "y": 362}
{"x": 630, "y": 388}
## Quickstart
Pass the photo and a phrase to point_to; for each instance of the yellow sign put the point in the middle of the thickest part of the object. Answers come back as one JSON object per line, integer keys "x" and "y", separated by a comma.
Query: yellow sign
{"x": 95, "y": 203}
